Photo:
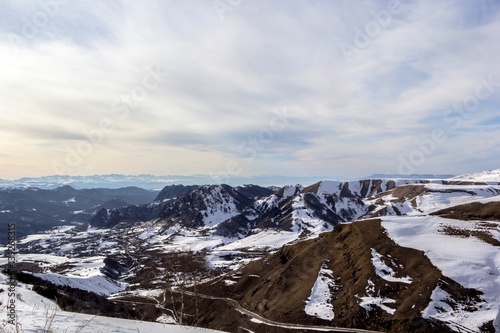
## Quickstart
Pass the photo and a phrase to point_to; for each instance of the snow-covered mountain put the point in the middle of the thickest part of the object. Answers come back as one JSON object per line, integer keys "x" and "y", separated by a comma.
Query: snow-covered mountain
{"x": 398, "y": 255}
{"x": 485, "y": 176}
{"x": 36, "y": 210}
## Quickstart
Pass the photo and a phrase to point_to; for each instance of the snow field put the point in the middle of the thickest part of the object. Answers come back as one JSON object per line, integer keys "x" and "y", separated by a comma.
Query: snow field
{"x": 469, "y": 261}
{"x": 38, "y": 314}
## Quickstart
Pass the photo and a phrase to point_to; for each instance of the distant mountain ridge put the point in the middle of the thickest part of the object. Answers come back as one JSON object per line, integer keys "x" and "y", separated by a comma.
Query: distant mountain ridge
{"x": 490, "y": 175}
{"x": 412, "y": 176}
{"x": 36, "y": 210}
{"x": 151, "y": 182}
{"x": 155, "y": 182}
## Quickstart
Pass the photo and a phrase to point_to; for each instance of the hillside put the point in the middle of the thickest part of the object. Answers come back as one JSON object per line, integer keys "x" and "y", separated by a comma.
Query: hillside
{"x": 355, "y": 276}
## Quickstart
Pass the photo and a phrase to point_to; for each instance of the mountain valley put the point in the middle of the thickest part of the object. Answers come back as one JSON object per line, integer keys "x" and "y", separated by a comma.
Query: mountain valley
{"x": 387, "y": 255}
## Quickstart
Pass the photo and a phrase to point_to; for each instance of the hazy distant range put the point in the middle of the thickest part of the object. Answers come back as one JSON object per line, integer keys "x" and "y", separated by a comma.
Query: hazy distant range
{"x": 153, "y": 182}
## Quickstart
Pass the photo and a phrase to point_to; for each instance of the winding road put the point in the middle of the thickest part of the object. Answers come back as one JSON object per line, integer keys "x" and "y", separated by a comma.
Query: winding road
{"x": 258, "y": 318}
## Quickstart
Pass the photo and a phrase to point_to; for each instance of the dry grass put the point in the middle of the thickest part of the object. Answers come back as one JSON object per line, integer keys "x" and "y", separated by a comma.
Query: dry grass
{"x": 278, "y": 285}
{"x": 473, "y": 211}
{"x": 483, "y": 235}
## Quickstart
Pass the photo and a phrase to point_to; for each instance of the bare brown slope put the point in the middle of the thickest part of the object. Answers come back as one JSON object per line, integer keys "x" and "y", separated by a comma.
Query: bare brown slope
{"x": 474, "y": 211}
{"x": 278, "y": 286}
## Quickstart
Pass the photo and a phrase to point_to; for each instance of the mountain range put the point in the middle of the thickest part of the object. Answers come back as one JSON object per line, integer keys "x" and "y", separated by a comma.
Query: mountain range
{"x": 149, "y": 182}
{"x": 35, "y": 210}
{"x": 391, "y": 255}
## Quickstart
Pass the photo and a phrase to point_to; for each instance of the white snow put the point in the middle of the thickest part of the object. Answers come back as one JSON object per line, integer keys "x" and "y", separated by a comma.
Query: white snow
{"x": 149, "y": 232}
{"x": 69, "y": 200}
{"x": 43, "y": 259}
{"x": 84, "y": 274}
{"x": 471, "y": 262}
{"x": 291, "y": 190}
{"x": 97, "y": 284}
{"x": 438, "y": 308}
{"x": 329, "y": 187}
{"x": 496, "y": 322}
{"x": 229, "y": 282}
{"x": 319, "y": 303}
{"x": 185, "y": 242}
{"x": 220, "y": 207}
{"x": 34, "y": 313}
{"x": 269, "y": 202}
{"x": 304, "y": 218}
{"x": 485, "y": 176}
{"x": 263, "y": 239}
{"x": 369, "y": 301}
{"x": 355, "y": 186}
{"x": 384, "y": 271}
{"x": 455, "y": 316}
{"x": 438, "y": 199}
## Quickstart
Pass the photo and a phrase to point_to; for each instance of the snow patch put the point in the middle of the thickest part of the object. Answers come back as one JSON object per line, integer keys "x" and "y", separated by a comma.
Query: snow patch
{"x": 66, "y": 202}
{"x": 368, "y": 302}
{"x": 442, "y": 307}
{"x": 220, "y": 207}
{"x": 319, "y": 302}
{"x": 229, "y": 282}
{"x": 96, "y": 284}
{"x": 496, "y": 322}
{"x": 303, "y": 218}
{"x": 291, "y": 190}
{"x": 33, "y": 311}
{"x": 384, "y": 271}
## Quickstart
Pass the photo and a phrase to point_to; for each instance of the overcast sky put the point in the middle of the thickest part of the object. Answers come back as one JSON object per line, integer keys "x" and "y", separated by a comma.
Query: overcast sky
{"x": 249, "y": 87}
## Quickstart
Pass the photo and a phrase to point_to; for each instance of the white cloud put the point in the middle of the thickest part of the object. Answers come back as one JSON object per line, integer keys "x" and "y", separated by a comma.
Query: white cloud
{"x": 225, "y": 78}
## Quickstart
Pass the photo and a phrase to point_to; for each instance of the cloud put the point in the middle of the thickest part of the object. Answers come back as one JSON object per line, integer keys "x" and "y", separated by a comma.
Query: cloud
{"x": 226, "y": 77}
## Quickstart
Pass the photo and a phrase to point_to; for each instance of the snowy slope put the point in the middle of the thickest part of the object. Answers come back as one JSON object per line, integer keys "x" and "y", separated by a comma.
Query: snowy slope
{"x": 485, "y": 176}
{"x": 220, "y": 206}
{"x": 422, "y": 199}
{"x": 38, "y": 314}
{"x": 470, "y": 261}
{"x": 84, "y": 274}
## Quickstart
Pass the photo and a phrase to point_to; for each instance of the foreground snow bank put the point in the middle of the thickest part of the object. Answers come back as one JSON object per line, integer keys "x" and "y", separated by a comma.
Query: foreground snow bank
{"x": 496, "y": 323}
{"x": 38, "y": 314}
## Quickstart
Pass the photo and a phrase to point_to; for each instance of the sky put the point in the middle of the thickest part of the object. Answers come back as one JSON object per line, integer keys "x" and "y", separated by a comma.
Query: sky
{"x": 249, "y": 87}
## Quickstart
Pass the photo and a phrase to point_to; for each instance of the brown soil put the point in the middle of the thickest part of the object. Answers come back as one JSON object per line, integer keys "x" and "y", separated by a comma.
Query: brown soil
{"x": 473, "y": 211}
{"x": 408, "y": 192}
{"x": 483, "y": 235}
{"x": 312, "y": 188}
